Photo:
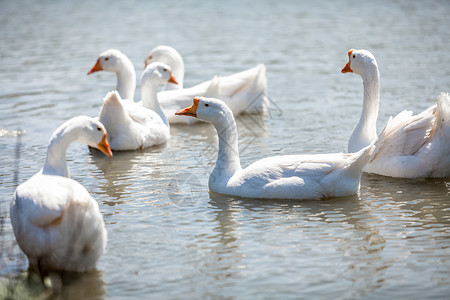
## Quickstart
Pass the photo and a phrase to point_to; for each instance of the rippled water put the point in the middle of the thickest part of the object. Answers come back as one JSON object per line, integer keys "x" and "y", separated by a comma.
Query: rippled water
{"x": 169, "y": 238}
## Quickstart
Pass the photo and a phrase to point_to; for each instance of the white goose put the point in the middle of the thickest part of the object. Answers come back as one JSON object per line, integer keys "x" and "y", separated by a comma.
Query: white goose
{"x": 113, "y": 60}
{"x": 282, "y": 177}
{"x": 254, "y": 100}
{"x": 130, "y": 125}
{"x": 409, "y": 145}
{"x": 171, "y": 57}
{"x": 56, "y": 221}
{"x": 243, "y": 92}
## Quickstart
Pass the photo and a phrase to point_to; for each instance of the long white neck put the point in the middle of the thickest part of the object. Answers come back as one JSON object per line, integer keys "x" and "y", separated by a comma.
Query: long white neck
{"x": 178, "y": 72}
{"x": 176, "y": 63}
{"x": 177, "y": 69}
{"x": 126, "y": 80}
{"x": 149, "y": 99}
{"x": 366, "y": 129}
{"x": 228, "y": 162}
{"x": 55, "y": 161}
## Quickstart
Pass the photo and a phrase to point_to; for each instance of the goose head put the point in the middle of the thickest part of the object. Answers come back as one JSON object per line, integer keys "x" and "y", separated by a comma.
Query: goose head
{"x": 158, "y": 72}
{"x": 164, "y": 54}
{"x": 111, "y": 60}
{"x": 169, "y": 56}
{"x": 85, "y": 130}
{"x": 207, "y": 109}
{"x": 81, "y": 129}
{"x": 360, "y": 62}
{"x": 92, "y": 133}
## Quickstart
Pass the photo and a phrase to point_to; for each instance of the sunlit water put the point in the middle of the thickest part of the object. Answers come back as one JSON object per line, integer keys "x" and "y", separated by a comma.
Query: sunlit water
{"x": 169, "y": 238}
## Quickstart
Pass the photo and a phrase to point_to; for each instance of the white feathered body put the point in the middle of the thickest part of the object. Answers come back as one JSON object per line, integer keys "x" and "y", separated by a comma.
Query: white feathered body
{"x": 279, "y": 177}
{"x": 296, "y": 176}
{"x": 57, "y": 223}
{"x": 415, "y": 145}
{"x": 409, "y": 146}
{"x": 243, "y": 92}
{"x": 131, "y": 126}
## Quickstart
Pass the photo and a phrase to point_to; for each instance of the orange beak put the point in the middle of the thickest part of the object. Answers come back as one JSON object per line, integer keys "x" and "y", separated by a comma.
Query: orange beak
{"x": 189, "y": 111}
{"x": 96, "y": 68}
{"x": 104, "y": 146}
{"x": 172, "y": 79}
{"x": 347, "y": 68}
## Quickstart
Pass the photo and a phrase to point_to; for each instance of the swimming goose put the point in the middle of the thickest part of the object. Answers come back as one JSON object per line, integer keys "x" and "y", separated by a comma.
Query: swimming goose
{"x": 243, "y": 92}
{"x": 409, "y": 145}
{"x": 171, "y": 57}
{"x": 130, "y": 125}
{"x": 113, "y": 60}
{"x": 282, "y": 177}
{"x": 55, "y": 220}
{"x": 254, "y": 100}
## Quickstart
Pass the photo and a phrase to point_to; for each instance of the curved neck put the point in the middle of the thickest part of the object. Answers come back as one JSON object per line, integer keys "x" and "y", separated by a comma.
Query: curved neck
{"x": 126, "y": 80}
{"x": 366, "y": 129}
{"x": 150, "y": 100}
{"x": 228, "y": 161}
{"x": 55, "y": 161}
{"x": 175, "y": 61}
{"x": 178, "y": 73}
{"x": 178, "y": 69}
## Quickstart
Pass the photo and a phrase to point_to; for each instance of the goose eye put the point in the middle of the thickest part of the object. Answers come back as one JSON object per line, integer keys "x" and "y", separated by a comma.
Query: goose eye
{"x": 206, "y": 104}
{"x": 106, "y": 58}
{"x": 165, "y": 70}
{"x": 99, "y": 129}
{"x": 354, "y": 55}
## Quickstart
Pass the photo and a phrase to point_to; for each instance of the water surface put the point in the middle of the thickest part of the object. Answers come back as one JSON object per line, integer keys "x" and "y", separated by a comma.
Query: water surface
{"x": 169, "y": 238}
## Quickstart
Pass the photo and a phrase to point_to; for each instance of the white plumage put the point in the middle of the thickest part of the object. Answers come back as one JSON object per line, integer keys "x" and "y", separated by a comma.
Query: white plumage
{"x": 243, "y": 92}
{"x": 282, "y": 177}
{"x": 131, "y": 125}
{"x": 409, "y": 145}
{"x": 56, "y": 222}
